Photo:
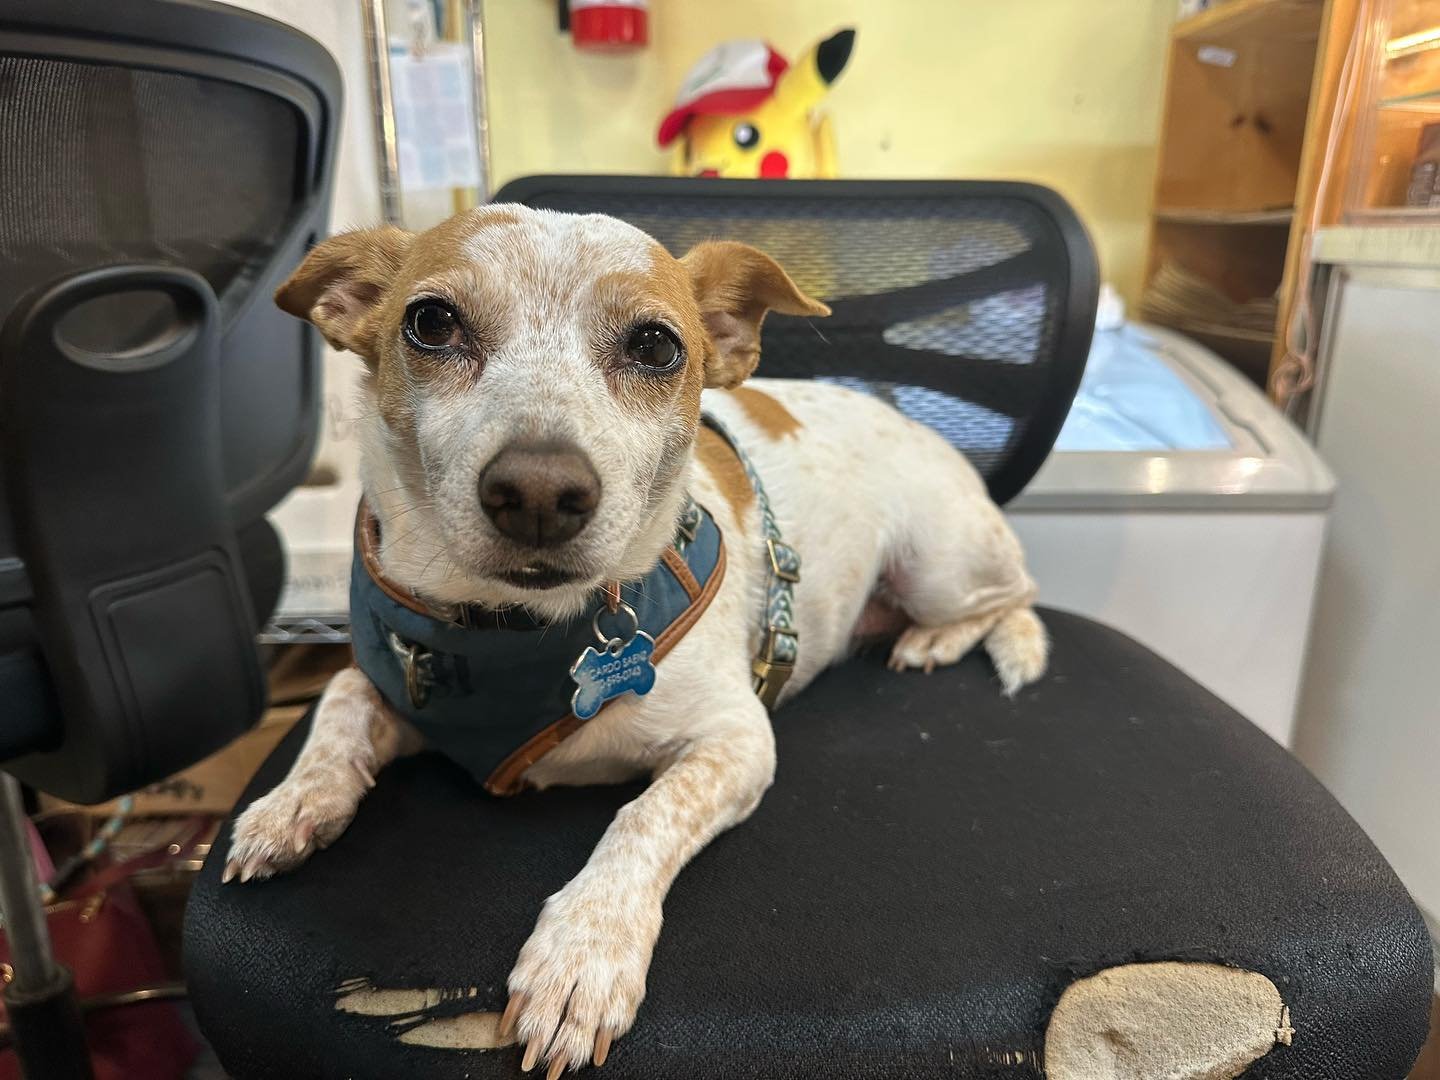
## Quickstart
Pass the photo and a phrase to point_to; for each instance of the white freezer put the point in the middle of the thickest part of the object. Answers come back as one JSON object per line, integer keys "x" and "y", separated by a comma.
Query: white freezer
{"x": 1180, "y": 507}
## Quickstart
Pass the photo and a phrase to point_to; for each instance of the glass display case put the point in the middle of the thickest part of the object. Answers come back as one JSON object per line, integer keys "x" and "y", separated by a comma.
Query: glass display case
{"x": 1395, "y": 170}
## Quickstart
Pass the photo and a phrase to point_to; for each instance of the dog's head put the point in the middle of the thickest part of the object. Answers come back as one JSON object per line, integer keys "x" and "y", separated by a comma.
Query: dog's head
{"x": 535, "y": 382}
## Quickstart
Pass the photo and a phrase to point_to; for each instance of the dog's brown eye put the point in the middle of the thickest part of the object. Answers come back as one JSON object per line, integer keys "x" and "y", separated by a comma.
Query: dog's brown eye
{"x": 653, "y": 346}
{"x": 432, "y": 325}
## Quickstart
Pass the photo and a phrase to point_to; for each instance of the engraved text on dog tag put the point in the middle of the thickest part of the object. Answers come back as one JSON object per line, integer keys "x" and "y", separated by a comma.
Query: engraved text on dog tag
{"x": 620, "y": 667}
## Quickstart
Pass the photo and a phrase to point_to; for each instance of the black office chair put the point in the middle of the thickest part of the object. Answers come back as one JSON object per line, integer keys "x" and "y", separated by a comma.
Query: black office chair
{"x": 937, "y": 869}
{"x": 163, "y": 166}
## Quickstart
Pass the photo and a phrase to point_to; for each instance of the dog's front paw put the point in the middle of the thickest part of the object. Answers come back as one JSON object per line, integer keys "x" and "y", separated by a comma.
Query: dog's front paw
{"x": 581, "y": 976}
{"x": 306, "y": 812}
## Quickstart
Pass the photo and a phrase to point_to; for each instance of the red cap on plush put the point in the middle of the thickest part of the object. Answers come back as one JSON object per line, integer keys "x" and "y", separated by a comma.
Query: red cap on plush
{"x": 731, "y": 78}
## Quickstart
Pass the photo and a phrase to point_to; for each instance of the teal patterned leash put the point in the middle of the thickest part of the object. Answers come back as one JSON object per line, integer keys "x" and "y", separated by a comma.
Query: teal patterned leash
{"x": 780, "y": 646}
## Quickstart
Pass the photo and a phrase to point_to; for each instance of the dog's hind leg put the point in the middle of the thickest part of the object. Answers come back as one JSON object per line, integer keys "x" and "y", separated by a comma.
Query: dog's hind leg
{"x": 958, "y": 573}
{"x": 353, "y": 735}
{"x": 929, "y": 647}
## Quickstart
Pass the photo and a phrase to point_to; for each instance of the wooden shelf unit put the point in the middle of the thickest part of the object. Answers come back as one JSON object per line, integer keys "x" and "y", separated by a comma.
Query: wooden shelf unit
{"x": 1236, "y": 137}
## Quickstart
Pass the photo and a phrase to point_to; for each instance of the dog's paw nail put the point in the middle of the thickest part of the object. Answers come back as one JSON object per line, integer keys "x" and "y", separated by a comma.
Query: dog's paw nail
{"x": 532, "y": 1055}
{"x": 304, "y": 831}
{"x": 556, "y": 1068}
{"x": 512, "y": 1013}
{"x": 366, "y": 776}
{"x": 602, "y": 1048}
{"x": 231, "y": 869}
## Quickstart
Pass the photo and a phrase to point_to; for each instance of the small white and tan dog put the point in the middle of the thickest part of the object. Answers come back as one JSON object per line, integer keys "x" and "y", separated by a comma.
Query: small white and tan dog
{"x": 576, "y": 349}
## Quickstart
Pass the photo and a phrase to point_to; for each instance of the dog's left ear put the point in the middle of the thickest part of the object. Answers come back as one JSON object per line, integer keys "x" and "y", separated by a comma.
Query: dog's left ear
{"x": 735, "y": 285}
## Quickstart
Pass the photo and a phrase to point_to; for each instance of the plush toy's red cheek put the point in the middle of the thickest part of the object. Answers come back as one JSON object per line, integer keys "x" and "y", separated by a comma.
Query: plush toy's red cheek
{"x": 774, "y": 165}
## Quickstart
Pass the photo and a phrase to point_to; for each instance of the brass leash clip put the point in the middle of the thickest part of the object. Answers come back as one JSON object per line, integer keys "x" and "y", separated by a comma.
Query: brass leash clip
{"x": 770, "y": 670}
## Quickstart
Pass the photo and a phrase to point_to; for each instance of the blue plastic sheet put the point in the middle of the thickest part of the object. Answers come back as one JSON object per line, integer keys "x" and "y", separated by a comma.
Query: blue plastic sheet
{"x": 1132, "y": 399}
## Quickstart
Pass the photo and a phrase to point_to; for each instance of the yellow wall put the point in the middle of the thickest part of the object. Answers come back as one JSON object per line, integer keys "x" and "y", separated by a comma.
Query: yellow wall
{"x": 1064, "y": 92}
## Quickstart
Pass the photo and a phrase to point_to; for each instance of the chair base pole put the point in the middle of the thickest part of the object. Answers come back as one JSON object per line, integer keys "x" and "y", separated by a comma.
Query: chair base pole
{"x": 44, "y": 1016}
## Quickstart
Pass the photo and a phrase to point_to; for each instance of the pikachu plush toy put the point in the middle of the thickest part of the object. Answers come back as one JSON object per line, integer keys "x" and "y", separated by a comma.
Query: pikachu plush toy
{"x": 744, "y": 112}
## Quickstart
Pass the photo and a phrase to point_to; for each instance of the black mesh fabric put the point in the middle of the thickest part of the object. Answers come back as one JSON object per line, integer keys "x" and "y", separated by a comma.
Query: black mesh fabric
{"x": 951, "y": 306}
{"x": 105, "y": 164}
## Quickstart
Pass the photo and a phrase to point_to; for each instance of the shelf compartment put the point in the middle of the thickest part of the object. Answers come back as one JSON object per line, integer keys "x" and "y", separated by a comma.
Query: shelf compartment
{"x": 1198, "y": 216}
{"x": 1421, "y": 101}
{"x": 1239, "y": 23}
{"x": 1247, "y": 350}
{"x": 1237, "y": 104}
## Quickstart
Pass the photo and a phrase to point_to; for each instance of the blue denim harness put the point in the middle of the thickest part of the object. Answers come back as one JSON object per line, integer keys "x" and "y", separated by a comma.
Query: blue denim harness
{"x": 492, "y": 689}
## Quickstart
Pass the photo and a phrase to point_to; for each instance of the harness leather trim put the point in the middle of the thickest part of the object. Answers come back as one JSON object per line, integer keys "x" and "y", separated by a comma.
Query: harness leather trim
{"x": 367, "y": 540}
{"x": 683, "y": 574}
{"x": 509, "y": 777}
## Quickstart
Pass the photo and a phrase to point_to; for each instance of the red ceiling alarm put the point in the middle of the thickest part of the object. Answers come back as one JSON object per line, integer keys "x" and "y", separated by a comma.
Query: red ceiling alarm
{"x": 609, "y": 25}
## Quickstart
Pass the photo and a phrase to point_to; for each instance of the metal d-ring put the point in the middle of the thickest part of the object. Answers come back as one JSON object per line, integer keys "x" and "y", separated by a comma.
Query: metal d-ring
{"x": 415, "y": 663}
{"x": 614, "y": 644}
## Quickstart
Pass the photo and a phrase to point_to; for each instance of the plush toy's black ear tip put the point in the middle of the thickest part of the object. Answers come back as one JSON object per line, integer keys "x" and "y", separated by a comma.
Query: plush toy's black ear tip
{"x": 834, "y": 53}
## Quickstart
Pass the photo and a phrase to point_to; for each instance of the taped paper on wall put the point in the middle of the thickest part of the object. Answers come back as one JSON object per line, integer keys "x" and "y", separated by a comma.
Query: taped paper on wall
{"x": 434, "y": 117}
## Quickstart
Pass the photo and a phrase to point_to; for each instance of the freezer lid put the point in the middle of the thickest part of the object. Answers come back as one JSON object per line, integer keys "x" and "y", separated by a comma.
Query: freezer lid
{"x": 1162, "y": 423}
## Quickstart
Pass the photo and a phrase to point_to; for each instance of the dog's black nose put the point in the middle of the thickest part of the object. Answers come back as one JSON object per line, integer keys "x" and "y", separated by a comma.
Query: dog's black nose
{"x": 539, "y": 493}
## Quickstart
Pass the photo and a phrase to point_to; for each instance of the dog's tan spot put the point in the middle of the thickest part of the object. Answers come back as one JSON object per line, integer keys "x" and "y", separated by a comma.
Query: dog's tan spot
{"x": 487, "y": 216}
{"x": 623, "y": 299}
{"x": 766, "y": 412}
{"x": 719, "y": 460}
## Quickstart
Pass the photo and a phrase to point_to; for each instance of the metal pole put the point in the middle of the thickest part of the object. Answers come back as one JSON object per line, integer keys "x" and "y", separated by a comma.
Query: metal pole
{"x": 482, "y": 114}
{"x": 40, "y": 998}
{"x": 25, "y": 928}
{"x": 382, "y": 104}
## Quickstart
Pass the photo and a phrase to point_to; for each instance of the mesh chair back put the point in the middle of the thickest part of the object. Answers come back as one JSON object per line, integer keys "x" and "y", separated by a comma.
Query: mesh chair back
{"x": 968, "y": 305}
{"x": 165, "y": 164}
{"x": 107, "y": 164}
{"x": 185, "y": 134}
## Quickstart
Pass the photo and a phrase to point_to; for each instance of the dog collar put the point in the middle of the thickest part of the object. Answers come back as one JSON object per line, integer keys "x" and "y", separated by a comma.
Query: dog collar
{"x": 492, "y": 689}
{"x": 774, "y": 663}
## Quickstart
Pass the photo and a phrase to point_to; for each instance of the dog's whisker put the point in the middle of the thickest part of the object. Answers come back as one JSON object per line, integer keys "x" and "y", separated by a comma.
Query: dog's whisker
{"x": 818, "y": 332}
{"x": 411, "y": 509}
{"x": 439, "y": 553}
{"x": 397, "y": 541}
{"x": 388, "y": 491}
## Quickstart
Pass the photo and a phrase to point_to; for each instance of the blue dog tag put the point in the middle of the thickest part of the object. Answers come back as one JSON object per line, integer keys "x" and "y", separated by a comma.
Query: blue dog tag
{"x": 619, "y": 667}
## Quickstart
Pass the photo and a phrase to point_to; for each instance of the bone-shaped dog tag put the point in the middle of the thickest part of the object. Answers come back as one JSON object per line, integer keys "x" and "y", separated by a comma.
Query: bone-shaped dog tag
{"x": 621, "y": 667}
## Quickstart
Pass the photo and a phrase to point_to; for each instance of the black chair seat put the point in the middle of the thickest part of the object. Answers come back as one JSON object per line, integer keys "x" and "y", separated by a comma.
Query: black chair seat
{"x": 933, "y": 866}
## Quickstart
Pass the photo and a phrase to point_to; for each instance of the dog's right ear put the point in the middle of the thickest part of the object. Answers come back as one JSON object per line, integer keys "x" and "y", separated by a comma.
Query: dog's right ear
{"x": 340, "y": 283}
